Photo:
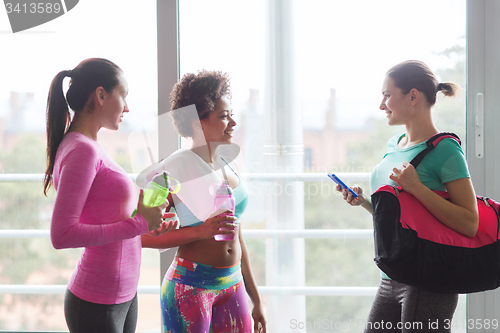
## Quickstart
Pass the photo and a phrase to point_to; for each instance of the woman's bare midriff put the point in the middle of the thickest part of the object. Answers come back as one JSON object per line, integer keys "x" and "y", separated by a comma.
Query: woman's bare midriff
{"x": 212, "y": 252}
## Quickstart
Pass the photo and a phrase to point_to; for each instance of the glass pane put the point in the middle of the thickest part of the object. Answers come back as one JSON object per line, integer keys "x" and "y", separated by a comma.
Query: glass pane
{"x": 339, "y": 53}
{"x": 341, "y": 73}
{"x": 118, "y": 30}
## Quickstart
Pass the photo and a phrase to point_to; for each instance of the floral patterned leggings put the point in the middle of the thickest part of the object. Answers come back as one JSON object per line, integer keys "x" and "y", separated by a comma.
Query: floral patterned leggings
{"x": 198, "y": 298}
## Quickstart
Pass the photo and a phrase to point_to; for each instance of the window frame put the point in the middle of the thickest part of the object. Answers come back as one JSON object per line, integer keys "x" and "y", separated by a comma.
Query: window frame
{"x": 483, "y": 47}
{"x": 483, "y": 51}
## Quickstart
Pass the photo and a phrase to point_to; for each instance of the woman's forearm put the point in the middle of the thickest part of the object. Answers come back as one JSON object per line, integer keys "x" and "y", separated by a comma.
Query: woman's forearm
{"x": 367, "y": 204}
{"x": 171, "y": 239}
{"x": 459, "y": 213}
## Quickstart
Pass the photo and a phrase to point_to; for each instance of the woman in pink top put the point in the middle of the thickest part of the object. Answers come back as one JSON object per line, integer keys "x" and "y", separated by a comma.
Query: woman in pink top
{"x": 95, "y": 199}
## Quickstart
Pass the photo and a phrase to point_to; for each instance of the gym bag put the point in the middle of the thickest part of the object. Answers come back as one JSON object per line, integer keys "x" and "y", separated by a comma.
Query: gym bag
{"x": 413, "y": 247}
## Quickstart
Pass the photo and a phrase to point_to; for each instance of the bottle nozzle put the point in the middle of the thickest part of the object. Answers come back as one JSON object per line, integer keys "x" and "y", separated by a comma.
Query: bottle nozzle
{"x": 224, "y": 188}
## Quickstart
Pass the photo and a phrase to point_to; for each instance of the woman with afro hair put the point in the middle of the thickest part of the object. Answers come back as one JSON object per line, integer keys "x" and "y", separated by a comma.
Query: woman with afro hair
{"x": 206, "y": 287}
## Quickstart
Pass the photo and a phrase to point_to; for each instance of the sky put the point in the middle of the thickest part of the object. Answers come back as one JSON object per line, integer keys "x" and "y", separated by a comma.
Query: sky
{"x": 344, "y": 45}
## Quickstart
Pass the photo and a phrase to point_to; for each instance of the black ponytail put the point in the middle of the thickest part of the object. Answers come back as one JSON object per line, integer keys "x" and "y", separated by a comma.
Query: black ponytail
{"x": 58, "y": 120}
{"x": 447, "y": 88}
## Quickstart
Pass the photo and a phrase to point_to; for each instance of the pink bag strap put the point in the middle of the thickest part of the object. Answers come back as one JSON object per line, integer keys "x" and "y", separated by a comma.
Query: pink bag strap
{"x": 431, "y": 144}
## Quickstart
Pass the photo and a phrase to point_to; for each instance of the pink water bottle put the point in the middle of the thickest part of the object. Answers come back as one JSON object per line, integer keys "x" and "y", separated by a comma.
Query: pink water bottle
{"x": 224, "y": 199}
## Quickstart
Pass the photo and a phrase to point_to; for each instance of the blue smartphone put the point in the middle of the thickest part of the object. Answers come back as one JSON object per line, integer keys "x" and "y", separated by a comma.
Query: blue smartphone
{"x": 342, "y": 184}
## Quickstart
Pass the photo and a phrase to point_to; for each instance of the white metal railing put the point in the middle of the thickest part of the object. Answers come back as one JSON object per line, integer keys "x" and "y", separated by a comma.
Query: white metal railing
{"x": 264, "y": 290}
{"x": 261, "y": 233}
{"x": 21, "y": 177}
{"x": 26, "y": 233}
{"x": 155, "y": 290}
{"x": 305, "y": 177}
{"x": 248, "y": 233}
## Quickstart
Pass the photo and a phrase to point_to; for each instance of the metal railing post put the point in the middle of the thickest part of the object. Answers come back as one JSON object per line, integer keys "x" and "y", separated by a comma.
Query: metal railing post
{"x": 283, "y": 150}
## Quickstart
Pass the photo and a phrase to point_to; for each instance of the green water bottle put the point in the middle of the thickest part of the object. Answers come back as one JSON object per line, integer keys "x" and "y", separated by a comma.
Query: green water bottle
{"x": 156, "y": 191}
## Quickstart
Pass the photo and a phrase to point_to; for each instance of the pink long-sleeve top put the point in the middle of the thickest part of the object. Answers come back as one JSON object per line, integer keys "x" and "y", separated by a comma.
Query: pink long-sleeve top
{"x": 94, "y": 202}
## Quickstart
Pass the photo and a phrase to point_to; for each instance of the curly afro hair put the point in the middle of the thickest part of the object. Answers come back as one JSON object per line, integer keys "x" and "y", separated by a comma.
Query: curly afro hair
{"x": 201, "y": 89}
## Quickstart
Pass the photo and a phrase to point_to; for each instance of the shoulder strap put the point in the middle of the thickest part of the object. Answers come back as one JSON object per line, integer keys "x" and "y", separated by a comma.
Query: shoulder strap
{"x": 230, "y": 167}
{"x": 431, "y": 144}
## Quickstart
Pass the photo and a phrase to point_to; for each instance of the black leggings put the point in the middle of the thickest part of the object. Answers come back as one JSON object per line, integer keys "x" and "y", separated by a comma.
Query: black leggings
{"x": 84, "y": 317}
{"x": 399, "y": 307}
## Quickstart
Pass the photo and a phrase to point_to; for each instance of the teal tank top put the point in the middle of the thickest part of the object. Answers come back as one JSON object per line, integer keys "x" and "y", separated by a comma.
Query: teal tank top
{"x": 443, "y": 164}
{"x": 240, "y": 194}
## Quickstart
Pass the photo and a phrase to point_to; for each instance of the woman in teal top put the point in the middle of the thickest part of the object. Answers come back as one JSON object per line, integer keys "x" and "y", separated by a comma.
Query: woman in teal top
{"x": 206, "y": 287}
{"x": 409, "y": 91}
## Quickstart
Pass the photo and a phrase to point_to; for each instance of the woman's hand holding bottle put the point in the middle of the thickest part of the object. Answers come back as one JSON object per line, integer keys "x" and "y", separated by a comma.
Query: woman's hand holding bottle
{"x": 212, "y": 225}
{"x": 165, "y": 226}
{"x": 154, "y": 216}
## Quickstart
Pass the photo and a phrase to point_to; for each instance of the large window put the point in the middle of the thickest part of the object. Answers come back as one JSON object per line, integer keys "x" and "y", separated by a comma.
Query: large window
{"x": 307, "y": 79}
{"x": 123, "y": 32}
